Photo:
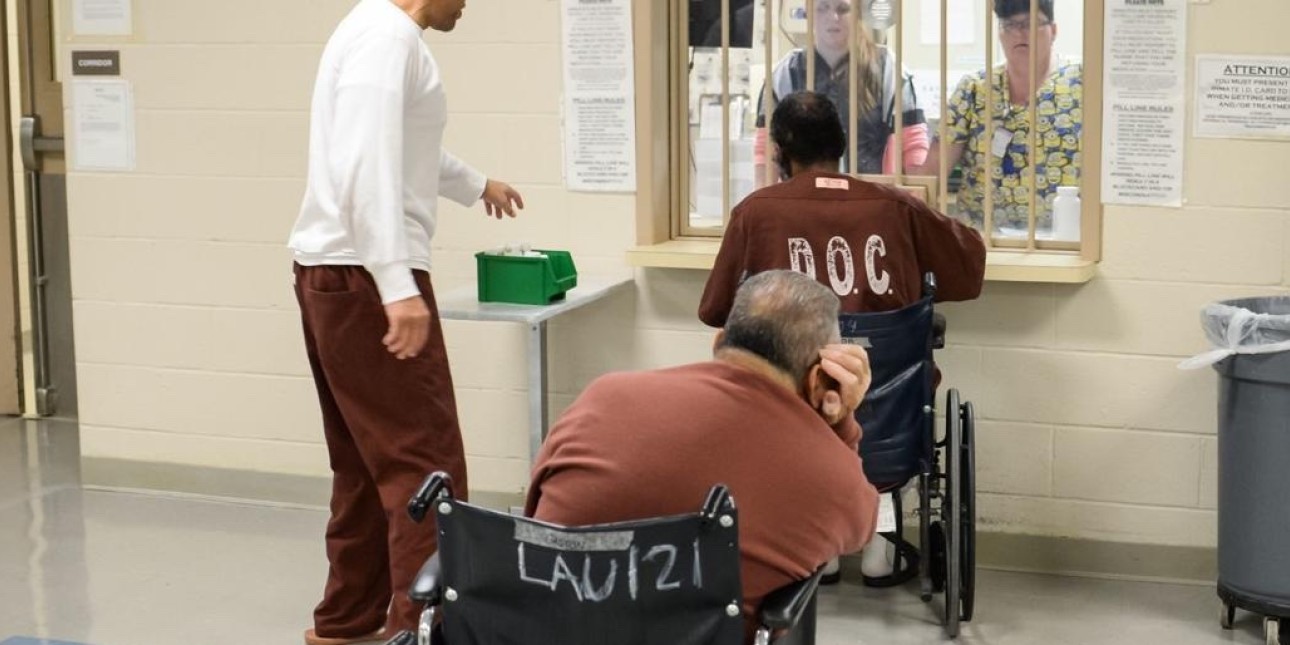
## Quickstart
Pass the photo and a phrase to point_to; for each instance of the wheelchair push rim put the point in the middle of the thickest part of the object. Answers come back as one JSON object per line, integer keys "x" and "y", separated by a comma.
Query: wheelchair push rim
{"x": 953, "y": 514}
{"x": 968, "y": 532}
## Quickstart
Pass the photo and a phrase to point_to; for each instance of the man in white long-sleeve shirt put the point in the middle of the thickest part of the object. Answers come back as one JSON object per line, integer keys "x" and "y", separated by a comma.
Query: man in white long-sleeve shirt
{"x": 362, "y": 259}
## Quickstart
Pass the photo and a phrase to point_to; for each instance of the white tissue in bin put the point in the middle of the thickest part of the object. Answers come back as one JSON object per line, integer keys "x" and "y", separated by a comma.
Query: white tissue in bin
{"x": 517, "y": 249}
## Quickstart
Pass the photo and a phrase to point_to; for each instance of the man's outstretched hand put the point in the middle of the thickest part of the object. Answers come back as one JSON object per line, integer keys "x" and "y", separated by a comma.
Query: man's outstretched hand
{"x": 499, "y": 198}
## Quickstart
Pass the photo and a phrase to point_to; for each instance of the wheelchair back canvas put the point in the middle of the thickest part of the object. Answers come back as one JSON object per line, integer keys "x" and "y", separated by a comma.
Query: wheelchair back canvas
{"x": 673, "y": 579}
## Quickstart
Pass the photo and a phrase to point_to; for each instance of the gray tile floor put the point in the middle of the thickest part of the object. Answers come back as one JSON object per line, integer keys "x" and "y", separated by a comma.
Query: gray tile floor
{"x": 119, "y": 568}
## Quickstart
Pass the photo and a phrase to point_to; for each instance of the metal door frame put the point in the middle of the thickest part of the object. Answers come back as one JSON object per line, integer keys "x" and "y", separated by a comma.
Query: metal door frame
{"x": 11, "y": 400}
{"x": 41, "y": 141}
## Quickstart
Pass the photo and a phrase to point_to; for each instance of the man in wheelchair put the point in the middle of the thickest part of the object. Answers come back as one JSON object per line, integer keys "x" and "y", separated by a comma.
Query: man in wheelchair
{"x": 871, "y": 244}
{"x": 771, "y": 417}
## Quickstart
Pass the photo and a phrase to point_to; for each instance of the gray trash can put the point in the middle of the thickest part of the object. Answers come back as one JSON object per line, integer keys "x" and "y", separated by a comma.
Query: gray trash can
{"x": 1254, "y": 459}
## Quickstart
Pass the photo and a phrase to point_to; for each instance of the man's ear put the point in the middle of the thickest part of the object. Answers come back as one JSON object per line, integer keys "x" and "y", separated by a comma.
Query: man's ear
{"x": 718, "y": 340}
{"x": 816, "y": 386}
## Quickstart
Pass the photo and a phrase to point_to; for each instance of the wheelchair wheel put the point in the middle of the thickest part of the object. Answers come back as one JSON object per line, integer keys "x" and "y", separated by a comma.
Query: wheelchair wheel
{"x": 936, "y": 555}
{"x": 926, "y": 583}
{"x": 968, "y": 502}
{"x": 952, "y": 513}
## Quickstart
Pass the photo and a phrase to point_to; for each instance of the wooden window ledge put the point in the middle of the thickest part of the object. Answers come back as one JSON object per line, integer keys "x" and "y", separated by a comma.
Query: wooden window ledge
{"x": 1001, "y": 266}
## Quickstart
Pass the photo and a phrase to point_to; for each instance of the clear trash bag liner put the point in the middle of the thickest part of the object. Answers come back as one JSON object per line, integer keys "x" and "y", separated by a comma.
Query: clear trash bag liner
{"x": 1235, "y": 327}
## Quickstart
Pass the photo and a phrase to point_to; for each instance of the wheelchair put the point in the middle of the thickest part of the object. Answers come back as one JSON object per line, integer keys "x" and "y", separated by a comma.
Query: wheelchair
{"x": 900, "y": 445}
{"x": 500, "y": 579}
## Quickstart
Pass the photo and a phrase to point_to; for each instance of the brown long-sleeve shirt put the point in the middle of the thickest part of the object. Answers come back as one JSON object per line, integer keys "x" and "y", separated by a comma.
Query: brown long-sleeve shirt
{"x": 646, "y": 444}
{"x": 869, "y": 242}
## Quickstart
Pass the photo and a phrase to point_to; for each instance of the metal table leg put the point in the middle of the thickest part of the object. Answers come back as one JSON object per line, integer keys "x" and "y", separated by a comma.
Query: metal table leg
{"x": 537, "y": 388}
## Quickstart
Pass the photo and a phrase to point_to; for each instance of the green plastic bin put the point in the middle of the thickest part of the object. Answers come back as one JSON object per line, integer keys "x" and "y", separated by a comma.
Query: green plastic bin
{"x": 525, "y": 280}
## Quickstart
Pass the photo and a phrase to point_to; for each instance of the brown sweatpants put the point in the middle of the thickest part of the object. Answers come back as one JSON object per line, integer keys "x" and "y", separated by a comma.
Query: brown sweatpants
{"x": 388, "y": 423}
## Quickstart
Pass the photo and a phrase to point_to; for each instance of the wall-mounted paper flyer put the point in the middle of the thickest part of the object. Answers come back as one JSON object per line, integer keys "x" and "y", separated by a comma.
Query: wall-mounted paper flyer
{"x": 1243, "y": 97}
{"x": 102, "y": 125}
{"x": 102, "y": 18}
{"x": 599, "y": 96}
{"x": 1145, "y": 103}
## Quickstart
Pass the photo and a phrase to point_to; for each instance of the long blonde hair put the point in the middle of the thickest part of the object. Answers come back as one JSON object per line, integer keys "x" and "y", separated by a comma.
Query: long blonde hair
{"x": 866, "y": 62}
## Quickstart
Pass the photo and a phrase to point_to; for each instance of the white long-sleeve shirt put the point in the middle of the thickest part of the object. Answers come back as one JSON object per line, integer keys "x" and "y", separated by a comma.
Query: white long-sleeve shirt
{"x": 376, "y": 160}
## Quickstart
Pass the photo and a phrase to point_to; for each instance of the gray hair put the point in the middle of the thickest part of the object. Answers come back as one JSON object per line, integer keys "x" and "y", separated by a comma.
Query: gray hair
{"x": 784, "y": 317}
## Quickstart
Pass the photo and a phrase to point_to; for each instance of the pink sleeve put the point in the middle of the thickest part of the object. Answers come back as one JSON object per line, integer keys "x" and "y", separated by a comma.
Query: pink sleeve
{"x": 916, "y": 146}
{"x": 915, "y": 143}
{"x": 759, "y": 146}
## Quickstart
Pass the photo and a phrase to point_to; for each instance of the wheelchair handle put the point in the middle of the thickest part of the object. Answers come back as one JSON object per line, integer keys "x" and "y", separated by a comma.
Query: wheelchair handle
{"x": 929, "y": 285}
{"x": 719, "y": 499}
{"x": 437, "y": 486}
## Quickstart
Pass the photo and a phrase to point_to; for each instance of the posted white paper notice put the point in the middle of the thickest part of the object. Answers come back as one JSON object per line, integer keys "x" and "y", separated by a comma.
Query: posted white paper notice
{"x": 1245, "y": 97}
{"x": 1143, "y": 149}
{"x": 102, "y": 18}
{"x": 1144, "y": 103}
{"x": 103, "y": 125}
{"x": 599, "y": 96}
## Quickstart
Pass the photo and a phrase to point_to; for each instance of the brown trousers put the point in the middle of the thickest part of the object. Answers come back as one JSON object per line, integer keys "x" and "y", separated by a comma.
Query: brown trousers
{"x": 388, "y": 423}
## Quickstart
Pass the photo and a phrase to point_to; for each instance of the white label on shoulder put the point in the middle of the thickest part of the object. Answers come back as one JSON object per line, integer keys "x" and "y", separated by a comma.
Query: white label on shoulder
{"x": 832, "y": 183}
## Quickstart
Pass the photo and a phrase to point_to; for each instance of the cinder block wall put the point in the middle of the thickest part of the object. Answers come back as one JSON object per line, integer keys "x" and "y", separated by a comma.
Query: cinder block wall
{"x": 187, "y": 332}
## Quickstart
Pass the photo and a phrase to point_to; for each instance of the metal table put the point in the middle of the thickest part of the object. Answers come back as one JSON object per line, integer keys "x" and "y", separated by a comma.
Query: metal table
{"x": 463, "y": 303}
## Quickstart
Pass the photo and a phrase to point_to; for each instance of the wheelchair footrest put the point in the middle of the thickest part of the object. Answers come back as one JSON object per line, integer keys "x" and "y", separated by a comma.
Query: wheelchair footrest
{"x": 907, "y": 559}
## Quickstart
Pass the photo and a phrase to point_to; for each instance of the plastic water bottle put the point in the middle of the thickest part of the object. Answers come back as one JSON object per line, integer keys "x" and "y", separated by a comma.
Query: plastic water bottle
{"x": 1066, "y": 210}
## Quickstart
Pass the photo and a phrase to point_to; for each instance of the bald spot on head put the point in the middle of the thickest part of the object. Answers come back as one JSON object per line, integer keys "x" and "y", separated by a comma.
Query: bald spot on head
{"x": 785, "y": 318}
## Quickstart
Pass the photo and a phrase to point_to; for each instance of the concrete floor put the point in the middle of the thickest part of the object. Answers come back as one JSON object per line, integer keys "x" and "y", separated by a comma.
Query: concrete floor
{"x": 123, "y": 568}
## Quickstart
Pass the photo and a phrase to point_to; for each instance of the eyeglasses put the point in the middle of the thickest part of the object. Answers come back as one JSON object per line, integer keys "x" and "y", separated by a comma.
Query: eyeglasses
{"x": 1020, "y": 25}
{"x": 840, "y": 10}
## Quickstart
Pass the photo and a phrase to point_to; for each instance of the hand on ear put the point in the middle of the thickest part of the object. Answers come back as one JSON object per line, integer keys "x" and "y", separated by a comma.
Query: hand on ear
{"x": 839, "y": 383}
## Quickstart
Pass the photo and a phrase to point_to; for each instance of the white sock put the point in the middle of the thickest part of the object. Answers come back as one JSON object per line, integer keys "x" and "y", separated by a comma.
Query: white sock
{"x": 832, "y": 566}
{"x": 878, "y": 558}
